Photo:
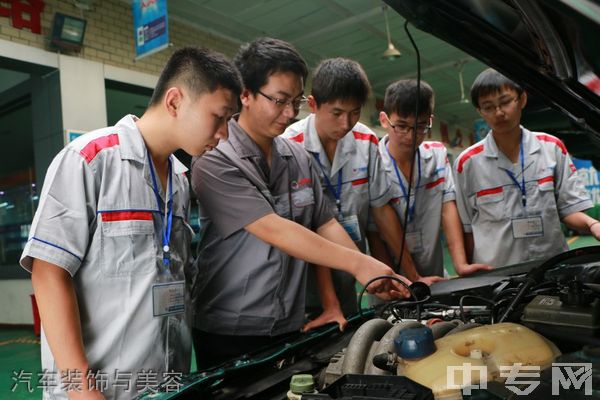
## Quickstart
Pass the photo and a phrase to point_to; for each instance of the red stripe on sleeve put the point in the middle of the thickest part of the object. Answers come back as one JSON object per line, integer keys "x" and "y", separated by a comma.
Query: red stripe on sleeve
{"x": 438, "y": 145}
{"x": 465, "y": 157}
{"x": 91, "y": 150}
{"x": 552, "y": 139}
{"x": 546, "y": 179}
{"x": 298, "y": 138}
{"x": 366, "y": 136}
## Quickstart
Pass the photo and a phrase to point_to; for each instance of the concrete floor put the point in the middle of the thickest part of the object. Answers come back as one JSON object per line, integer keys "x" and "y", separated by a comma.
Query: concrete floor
{"x": 20, "y": 349}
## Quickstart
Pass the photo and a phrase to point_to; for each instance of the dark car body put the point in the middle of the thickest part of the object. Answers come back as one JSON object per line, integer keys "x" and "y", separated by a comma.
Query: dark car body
{"x": 550, "y": 47}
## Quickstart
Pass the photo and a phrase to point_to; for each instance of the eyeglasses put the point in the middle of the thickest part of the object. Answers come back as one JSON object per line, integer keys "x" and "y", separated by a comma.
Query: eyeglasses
{"x": 504, "y": 106}
{"x": 403, "y": 129}
{"x": 295, "y": 104}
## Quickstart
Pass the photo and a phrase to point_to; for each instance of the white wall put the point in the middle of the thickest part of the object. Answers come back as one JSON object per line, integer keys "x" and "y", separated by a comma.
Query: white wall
{"x": 83, "y": 97}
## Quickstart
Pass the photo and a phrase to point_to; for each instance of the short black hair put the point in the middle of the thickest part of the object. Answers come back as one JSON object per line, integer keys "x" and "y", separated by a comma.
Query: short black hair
{"x": 489, "y": 82}
{"x": 401, "y": 98}
{"x": 199, "y": 70}
{"x": 265, "y": 56}
{"x": 340, "y": 79}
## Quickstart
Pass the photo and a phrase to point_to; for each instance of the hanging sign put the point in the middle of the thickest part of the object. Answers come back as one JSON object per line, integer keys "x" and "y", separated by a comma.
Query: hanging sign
{"x": 150, "y": 26}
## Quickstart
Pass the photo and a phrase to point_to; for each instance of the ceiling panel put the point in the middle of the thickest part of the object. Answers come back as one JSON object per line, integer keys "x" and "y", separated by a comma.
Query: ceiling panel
{"x": 348, "y": 28}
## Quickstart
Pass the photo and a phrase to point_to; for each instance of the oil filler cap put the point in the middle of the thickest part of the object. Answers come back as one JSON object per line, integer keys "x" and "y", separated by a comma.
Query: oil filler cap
{"x": 413, "y": 343}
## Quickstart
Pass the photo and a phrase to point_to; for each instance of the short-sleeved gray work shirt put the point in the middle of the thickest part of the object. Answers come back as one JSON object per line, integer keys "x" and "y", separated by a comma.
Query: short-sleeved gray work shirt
{"x": 244, "y": 285}
{"x": 435, "y": 187}
{"x": 98, "y": 219}
{"x": 363, "y": 184}
{"x": 489, "y": 200}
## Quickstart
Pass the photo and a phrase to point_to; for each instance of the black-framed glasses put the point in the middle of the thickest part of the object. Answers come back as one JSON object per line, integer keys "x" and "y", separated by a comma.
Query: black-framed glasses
{"x": 296, "y": 103}
{"x": 504, "y": 106}
{"x": 403, "y": 129}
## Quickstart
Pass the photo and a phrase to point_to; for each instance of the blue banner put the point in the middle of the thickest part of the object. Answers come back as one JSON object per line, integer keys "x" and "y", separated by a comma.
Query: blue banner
{"x": 590, "y": 178}
{"x": 150, "y": 26}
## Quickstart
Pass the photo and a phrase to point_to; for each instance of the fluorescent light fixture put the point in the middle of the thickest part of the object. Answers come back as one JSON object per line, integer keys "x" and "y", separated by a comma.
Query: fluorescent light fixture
{"x": 68, "y": 32}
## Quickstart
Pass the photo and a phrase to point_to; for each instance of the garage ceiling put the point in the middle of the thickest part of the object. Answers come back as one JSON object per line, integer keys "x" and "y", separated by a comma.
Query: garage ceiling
{"x": 328, "y": 28}
{"x": 347, "y": 28}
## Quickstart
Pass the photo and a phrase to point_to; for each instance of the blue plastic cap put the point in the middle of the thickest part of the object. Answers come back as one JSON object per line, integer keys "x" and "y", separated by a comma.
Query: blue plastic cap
{"x": 413, "y": 343}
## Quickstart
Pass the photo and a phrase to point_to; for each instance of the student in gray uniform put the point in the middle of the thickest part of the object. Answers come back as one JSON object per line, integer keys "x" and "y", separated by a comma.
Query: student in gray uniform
{"x": 264, "y": 216}
{"x": 515, "y": 187}
{"x": 431, "y": 204}
{"x": 109, "y": 244}
{"x": 349, "y": 165}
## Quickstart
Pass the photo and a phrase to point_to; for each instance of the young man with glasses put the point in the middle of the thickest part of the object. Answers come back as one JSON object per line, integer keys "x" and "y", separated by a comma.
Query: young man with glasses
{"x": 431, "y": 203}
{"x": 516, "y": 186}
{"x": 264, "y": 217}
{"x": 346, "y": 155}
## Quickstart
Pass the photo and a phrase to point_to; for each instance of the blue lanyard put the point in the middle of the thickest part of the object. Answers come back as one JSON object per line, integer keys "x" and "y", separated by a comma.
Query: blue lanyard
{"x": 168, "y": 215}
{"x": 337, "y": 192}
{"x": 411, "y": 210}
{"x": 514, "y": 179}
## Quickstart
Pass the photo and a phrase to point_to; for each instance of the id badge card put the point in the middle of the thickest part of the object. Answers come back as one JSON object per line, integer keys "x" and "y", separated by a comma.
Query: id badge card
{"x": 414, "y": 241}
{"x": 351, "y": 226}
{"x": 168, "y": 298}
{"x": 527, "y": 227}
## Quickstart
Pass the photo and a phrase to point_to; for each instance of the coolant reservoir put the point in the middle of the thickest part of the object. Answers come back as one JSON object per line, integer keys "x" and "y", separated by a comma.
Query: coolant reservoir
{"x": 491, "y": 346}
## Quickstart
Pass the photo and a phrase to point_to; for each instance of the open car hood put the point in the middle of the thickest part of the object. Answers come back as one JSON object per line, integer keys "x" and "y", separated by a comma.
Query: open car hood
{"x": 549, "y": 46}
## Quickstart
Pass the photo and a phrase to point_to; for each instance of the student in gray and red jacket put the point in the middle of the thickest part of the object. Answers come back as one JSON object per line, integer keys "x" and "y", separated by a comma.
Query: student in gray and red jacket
{"x": 515, "y": 187}
{"x": 109, "y": 244}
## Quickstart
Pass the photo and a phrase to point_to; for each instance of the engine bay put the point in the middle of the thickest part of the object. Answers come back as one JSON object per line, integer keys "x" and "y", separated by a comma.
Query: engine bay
{"x": 528, "y": 329}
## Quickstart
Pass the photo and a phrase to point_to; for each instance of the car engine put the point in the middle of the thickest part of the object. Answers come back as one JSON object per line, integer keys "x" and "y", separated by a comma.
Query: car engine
{"x": 530, "y": 329}
{"x": 518, "y": 320}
